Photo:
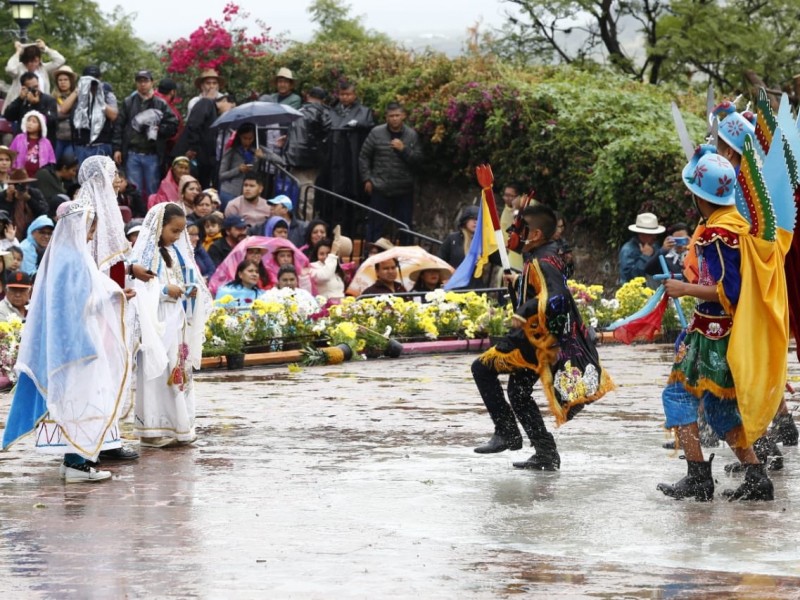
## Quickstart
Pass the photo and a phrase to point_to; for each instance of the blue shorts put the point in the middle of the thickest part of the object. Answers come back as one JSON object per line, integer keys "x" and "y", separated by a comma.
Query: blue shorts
{"x": 681, "y": 407}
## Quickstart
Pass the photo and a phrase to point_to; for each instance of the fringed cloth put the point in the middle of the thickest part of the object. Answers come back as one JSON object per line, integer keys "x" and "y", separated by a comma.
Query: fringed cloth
{"x": 552, "y": 341}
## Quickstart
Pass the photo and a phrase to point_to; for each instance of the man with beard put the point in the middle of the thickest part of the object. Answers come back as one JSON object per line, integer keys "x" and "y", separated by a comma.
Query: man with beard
{"x": 234, "y": 229}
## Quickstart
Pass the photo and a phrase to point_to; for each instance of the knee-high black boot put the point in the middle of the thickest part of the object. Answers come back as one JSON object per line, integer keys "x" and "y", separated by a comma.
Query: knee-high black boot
{"x": 698, "y": 483}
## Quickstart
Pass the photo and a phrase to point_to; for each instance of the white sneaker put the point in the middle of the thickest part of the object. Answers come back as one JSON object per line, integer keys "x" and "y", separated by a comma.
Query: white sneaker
{"x": 156, "y": 442}
{"x": 84, "y": 473}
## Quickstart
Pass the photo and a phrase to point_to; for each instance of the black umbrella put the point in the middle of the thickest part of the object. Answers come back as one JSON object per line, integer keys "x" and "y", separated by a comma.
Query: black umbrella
{"x": 259, "y": 113}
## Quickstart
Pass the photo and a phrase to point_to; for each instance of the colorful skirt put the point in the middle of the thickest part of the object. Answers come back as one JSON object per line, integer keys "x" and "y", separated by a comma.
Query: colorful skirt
{"x": 701, "y": 365}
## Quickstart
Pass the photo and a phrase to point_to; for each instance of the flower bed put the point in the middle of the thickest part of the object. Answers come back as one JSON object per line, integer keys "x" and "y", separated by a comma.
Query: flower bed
{"x": 364, "y": 325}
{"x": 9, "y": 348}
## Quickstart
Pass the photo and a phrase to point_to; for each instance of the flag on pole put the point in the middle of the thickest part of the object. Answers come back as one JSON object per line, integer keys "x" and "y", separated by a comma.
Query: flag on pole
{"x": 644, "y": 323}
{"x": 484, "y": 243}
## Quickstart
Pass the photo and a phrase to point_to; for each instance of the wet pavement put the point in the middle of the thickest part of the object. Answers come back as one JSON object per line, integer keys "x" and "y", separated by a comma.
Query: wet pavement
{"x": 359, "y": 481}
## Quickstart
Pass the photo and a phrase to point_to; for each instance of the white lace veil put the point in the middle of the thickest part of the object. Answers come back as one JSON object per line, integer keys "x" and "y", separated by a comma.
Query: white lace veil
{"x": 96, "y": 178}
{"x": 74, "y": 348}
{"x": 148, "y": 295}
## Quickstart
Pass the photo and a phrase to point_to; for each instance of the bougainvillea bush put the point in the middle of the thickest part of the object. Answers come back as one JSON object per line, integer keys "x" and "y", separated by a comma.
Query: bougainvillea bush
{"x": 225, "y": 45}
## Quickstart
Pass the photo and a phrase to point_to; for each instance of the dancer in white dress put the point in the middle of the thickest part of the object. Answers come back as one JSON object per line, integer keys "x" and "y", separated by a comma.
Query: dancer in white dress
{"x": 173, "y": 308}
{"x": 73, "y": 363}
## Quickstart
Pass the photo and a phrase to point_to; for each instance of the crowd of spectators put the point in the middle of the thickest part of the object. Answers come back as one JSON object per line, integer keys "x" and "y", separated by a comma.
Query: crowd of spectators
{"x": 223, "y": 177}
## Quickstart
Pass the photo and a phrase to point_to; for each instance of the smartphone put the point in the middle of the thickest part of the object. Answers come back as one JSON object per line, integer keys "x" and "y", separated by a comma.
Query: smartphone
{"x": 681, "y": 241}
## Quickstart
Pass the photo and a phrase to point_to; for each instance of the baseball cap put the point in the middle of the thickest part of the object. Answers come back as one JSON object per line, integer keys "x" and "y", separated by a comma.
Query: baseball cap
{"x": 19, "y": 279}
{"x": 318, "y": 93}
{"x": 143, "y": 74}
{"x": 234, "y": 221}
{"x": 166, "y": 85}
{"x": 285, "y": 200}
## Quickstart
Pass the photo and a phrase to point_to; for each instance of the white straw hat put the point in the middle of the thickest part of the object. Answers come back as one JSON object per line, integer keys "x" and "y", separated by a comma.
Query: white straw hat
{"x": 647, "y": 223}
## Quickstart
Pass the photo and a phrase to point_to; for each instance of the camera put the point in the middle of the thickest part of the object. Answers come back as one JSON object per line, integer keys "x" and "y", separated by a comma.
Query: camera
{"x": 681, "y": 241}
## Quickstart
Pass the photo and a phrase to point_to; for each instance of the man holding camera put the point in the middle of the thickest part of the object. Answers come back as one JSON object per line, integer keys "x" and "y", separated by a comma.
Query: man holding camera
{"x": 144, "y": 124}
{"x": 21, "y": 202}
{"x": 32, "y": 98}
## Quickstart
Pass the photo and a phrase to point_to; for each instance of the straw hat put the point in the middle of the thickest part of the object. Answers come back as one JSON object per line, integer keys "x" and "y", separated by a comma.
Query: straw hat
{"x": 647, "y": 223}
{"x": 65, "y": 70}
{"x": 19, "y": 176}
{"x": 284, "y": 73}
{"x": 8, "y": 152}
{"x": 382, "y": 244}
{"x": 209, "y": 74}
{"x": 415, "y": 271}
{"x": 345, "y": 245}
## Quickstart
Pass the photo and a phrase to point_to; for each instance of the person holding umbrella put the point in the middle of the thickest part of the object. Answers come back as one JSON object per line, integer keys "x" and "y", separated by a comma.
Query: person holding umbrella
{"x": 198, "y": 142}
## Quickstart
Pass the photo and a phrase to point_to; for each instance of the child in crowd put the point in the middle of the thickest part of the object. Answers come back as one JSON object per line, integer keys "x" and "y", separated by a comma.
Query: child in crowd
{"x": 173, "y": 308}
{"x": 285, "y": 253}
{"x": 288, "y": 279}
{"x": 132, "y": 229}
{"x": 15, "y": 260}
{"x": 276, "y": 227}
{"x": 201, "y": 257}
{"x": 8, "y": 231}
{"x": 33, "y": 148}
{"x": 326, "y": 272}
{"x": 212, "y": 228}
{"x": 244, "y": 287}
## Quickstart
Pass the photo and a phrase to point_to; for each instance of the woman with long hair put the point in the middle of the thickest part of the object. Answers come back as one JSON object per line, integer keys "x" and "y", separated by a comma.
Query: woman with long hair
{"x": 241, "y": 157}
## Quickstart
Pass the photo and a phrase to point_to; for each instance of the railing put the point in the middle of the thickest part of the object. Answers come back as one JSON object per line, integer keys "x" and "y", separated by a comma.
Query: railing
{"x": 312, "y": 201}
{"x": 277, "y": 180}
{"x": 500, "y": 294}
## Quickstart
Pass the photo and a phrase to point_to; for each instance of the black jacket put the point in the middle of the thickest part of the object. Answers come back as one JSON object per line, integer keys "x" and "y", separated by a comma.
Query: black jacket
{"x": 126, "y": 139}
{"x": 198, "y": 135}
{"x": 49, "y": 183}
{"x": 350, "y": 126}
{"x": 47, "y": 106}
{"x": 389, "y": 170}
{"x": 305, "y": 147}
{"x": 36, "y": 203}
{"x": 219, "y": 250}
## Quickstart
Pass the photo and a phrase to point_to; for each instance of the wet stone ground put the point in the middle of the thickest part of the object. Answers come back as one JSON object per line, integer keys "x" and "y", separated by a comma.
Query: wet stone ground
{"x": 359, "y": 481}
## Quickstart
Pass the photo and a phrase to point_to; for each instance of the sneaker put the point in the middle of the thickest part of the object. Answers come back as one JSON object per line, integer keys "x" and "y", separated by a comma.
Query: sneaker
{"x": 186, "y": 442}
{"x": 84, "y": 473}
{"x": 156, "y": 442}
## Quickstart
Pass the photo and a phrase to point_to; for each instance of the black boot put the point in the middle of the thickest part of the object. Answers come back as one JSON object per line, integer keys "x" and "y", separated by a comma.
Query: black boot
{"x": 767, "y": 452}
{"x": 698, "y": 483}
{"x": 756, "y": 486}
{"x": 498, "y": 443}
{"x": 784, "y": 431}
{"x": 545, "y": 461}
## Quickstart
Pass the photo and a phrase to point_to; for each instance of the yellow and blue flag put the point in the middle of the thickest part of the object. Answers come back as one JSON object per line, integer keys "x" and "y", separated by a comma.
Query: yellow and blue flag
{"x": 484, "y": 243}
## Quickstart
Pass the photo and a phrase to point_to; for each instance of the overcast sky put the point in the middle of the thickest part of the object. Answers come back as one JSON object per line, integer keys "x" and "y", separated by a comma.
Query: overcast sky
{"x": 160, "y": 20}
